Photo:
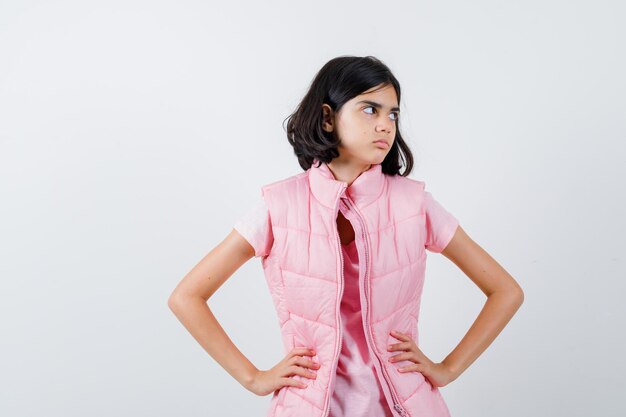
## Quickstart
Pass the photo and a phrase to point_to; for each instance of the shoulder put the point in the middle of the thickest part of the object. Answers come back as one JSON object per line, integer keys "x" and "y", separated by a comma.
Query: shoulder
{"x": 405, "y": 181}
{"x": 285, "y": 183}
{"x": 400, "y": 184}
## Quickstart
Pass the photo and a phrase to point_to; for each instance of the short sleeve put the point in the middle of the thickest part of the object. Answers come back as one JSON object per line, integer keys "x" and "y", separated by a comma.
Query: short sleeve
{"x": 256, "y": 228}
{"x": 440, "y": 224}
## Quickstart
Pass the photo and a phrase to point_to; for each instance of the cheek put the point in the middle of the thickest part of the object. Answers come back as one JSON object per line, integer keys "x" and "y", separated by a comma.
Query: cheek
{"x": 349, "y": 132}
{"x": 356, "y": 123}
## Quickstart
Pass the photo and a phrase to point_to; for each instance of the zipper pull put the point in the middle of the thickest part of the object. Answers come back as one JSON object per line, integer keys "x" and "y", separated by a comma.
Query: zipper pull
{"x": 399, "y": 409}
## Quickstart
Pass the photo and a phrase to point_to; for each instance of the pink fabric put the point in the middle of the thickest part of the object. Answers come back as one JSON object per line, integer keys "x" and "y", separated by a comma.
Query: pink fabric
{"x": 295, "y": 236}
{"x": 255, "y": 226}
{"x": 357, "y": 389}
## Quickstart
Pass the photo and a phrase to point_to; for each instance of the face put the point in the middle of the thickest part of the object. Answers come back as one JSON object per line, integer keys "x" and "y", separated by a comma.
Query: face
{"x": 361, "y": 122}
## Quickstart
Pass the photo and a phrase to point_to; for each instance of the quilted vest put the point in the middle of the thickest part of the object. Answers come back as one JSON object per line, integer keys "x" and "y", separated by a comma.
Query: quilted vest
{"x": 304, "y": 273}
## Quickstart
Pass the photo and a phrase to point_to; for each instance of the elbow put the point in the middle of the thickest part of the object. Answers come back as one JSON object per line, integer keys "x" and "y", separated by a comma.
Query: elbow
{"x": 174, "y": 302}
{"x": 519, "y": 296}
{"x": 514, "y": 295}
{"x": 178, "y": 300}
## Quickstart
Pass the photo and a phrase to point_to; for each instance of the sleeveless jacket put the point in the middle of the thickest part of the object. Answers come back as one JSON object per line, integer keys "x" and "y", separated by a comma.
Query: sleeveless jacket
{"x": 304, "y": 273}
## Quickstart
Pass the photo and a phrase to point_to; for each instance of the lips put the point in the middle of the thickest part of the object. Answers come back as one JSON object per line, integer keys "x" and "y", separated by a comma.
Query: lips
{"x": 381, "y": 143}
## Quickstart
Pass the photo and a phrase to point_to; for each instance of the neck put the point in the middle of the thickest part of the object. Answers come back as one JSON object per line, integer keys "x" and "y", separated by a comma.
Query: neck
{"x": 347, "y": 171}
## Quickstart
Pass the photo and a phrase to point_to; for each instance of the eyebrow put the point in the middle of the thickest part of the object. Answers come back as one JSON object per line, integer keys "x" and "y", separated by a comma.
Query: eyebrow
{"x": 377, "y": 105}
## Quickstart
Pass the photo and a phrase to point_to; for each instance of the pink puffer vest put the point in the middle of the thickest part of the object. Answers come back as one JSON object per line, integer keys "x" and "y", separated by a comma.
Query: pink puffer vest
{"x": 304, "y": 272}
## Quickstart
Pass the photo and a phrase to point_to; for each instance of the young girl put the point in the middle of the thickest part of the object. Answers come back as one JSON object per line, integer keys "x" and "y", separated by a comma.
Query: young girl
{"x": 342, "y": 247}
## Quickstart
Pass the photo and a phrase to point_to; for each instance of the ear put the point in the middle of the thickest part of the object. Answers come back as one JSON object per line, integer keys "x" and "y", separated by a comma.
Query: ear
{"x": 328, "y": 118}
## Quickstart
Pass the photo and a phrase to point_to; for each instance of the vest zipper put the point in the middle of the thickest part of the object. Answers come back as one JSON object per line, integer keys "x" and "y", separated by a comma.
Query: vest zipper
{"x": 396, "y": 402}
{"x": 339, "y": 325}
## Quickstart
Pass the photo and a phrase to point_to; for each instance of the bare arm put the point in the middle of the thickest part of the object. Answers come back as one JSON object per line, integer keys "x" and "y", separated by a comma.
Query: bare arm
{"x": 189, "y": 299}
{"x": 504, "y": 297}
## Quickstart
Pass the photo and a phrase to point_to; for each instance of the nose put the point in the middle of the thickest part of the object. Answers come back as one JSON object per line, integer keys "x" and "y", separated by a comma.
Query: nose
{"x": 385, "y": 124}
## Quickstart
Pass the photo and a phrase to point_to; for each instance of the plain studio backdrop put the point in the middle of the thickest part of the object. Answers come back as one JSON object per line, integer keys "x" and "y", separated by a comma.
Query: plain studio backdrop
{"x": 134, "y": 134}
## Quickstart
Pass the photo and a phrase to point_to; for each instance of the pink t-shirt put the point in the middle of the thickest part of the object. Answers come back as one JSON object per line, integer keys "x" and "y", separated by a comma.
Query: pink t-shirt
{"x": 357, "y": 389}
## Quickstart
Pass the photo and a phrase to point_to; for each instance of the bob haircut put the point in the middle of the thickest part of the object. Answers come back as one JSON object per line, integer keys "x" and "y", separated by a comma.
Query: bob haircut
{"x": 338, "y": 81}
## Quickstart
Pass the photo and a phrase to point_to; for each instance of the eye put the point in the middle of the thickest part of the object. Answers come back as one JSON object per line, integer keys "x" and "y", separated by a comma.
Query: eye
{"x": 395, "y": 113}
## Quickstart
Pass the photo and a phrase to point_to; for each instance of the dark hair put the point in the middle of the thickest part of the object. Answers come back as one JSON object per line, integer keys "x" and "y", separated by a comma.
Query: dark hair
{"x": 338, "y": 81}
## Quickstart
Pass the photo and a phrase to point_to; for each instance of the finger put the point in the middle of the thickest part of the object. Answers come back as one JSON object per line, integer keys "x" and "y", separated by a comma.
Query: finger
{"x": 410, "y": 368}
{"x": 416, "y": 367}
{"x": 399, "y": 335}
{"x": 302, "y": 351}
{"x": 293, "y": 383}
{"x": 297, "y": 370}
{"x": 305, "y": 372}
{"x": 398, "y": 346}
{"x": 307, "y": 363}
{"x": 406, "y": 356}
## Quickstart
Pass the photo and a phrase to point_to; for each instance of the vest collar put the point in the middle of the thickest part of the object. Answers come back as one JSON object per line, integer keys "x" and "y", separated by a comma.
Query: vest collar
{"x": 366, "y": 188}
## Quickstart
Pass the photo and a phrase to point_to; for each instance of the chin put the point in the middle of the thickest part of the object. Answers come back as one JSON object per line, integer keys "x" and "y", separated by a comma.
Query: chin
{"x": 377, "y": 159}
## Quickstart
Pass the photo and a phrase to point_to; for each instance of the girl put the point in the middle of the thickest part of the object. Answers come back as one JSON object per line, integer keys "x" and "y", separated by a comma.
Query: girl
{"x": 353, "y": 221}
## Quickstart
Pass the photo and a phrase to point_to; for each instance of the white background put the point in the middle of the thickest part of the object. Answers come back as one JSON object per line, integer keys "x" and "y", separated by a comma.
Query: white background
{"x": 133, "y": 134}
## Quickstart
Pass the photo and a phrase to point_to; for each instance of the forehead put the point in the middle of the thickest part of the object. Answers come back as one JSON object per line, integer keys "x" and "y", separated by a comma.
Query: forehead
{"x": 385, "y": 96}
